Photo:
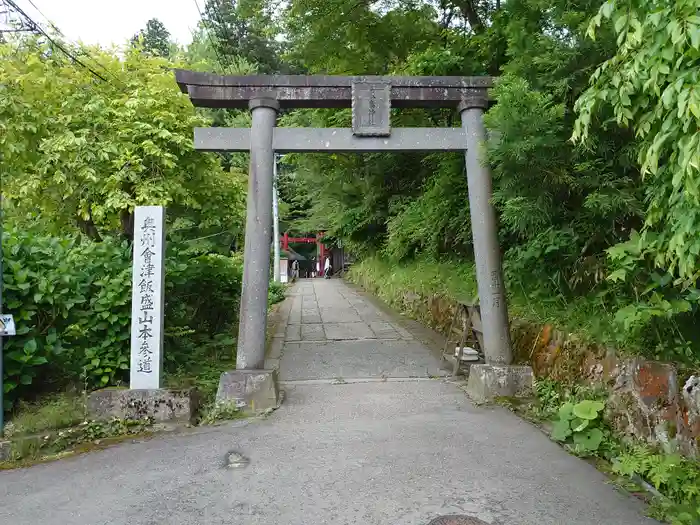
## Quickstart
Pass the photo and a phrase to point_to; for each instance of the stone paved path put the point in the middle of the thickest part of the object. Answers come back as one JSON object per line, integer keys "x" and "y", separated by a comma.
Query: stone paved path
{"x": 328, "y": 331}
{"x": 389, "y": 446}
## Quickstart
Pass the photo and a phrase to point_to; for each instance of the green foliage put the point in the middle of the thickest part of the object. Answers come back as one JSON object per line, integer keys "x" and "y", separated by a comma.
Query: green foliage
{"x": 202, "y": 291}
{"x": 650, "y": 84}
{"x": 78, "y": 154}
{"x": 81, "y": 153}
{"x": 154, "y": 39}
{"x": 52, "y": 413}
{"x": 64, "y": 296}
{"x": 72, "y": 305}
{"x": 677, "y": 478}
{"x": 87, "y": 432}
{"x": 244, "y": 30}
{"x": 659, "y": 309}
{"x": 275, "y": 292}
{"x": 578, "y": 425}
{"x": 548, "y": 394}
{"x": 455, "y": 279}
{"x": 221, "y": 412}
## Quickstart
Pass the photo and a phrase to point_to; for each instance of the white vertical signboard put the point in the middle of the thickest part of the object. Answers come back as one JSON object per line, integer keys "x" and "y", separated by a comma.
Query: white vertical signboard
{"x": 284, "y": 270}
{"x": 147, "y": 297}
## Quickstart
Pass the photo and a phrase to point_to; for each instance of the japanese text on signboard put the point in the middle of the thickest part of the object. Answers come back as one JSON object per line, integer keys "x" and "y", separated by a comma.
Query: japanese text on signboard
{"x": 147, "y": 295}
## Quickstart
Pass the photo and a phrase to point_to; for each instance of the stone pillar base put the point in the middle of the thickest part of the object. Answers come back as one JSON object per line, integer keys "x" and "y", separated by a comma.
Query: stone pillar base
{"x": 5, "y": 450}
{"x": 487, "y": 382}
{"x": 160, "y": 404}
{"x": 251, "y": 390}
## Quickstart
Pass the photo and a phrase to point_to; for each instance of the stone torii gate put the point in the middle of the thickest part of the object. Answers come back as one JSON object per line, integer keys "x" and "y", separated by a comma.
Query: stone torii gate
{"x": 371, "y": 99}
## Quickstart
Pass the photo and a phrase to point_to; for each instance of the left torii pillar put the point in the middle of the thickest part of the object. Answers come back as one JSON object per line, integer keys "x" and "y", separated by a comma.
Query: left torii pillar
{"x": 250, "y": 387}
{"x": 252, "y": 326}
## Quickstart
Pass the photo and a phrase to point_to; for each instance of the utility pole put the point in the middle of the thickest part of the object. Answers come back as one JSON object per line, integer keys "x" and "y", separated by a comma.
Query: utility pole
{"x": 275, "y": 223}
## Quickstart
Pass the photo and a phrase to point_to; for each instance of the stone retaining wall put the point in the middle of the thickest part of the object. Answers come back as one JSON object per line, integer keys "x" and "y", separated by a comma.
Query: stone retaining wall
{"x": 647, "y": 401}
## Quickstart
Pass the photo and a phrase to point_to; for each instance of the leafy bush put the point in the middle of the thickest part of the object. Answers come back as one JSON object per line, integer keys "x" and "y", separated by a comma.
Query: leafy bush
{"x": 578, "y": 425}
{"x": 275, "y": 293}
{"x": 72, "y": 305}
{"x": 674, "y": 476}
{"x": 202, "y": 291}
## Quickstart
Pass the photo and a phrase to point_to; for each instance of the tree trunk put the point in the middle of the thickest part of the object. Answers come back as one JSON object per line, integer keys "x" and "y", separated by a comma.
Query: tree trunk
{"x": 88, "y": 227}
{"x": 126, "y": 218}
{"x": 468, "y": 9}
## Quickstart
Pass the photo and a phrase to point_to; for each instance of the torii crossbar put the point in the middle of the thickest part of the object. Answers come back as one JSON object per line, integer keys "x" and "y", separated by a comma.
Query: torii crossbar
{"x": 371, "y": 99}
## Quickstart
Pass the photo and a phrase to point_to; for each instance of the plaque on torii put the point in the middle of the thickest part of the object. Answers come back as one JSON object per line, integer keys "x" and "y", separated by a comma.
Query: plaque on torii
{"x": 371, "y": 99}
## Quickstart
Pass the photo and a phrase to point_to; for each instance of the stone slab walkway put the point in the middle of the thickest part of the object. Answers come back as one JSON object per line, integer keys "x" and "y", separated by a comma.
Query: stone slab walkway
{"x": 328, "y": 331}
{"x": 388, "y": 446}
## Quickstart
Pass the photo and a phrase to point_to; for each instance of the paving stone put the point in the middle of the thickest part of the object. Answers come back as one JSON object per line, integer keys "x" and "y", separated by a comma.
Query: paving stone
{"x": 310, "y": 316}
{"x": 293, "y": 332}
{"x": 383, "y": 330}
{"x": 348, "y": 331}
{"x": 340, "y": 315}
{"x": 312, "y": 332}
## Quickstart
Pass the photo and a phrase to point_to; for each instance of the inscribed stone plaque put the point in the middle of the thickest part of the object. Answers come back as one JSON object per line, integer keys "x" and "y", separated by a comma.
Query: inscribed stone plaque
{"x": 147, "y": 297}
{"x": 371, "y": 108}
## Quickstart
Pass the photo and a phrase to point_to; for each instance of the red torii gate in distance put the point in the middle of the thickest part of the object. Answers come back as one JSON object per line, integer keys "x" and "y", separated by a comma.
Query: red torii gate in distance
{"x": 286, "y": 239}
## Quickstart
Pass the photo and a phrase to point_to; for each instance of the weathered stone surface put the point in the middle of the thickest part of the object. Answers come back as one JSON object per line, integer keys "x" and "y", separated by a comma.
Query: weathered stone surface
{"x": 5, "y": 450}
{"x": 319, "y": 91}
{"x": 487, "y": 382}
{"x": 689, "y": 417}
{"x": 371, "y": 108}
{"x": 251, "y": 390}
{"x": 162, "y": 405}
{"x": 644, "y": 401}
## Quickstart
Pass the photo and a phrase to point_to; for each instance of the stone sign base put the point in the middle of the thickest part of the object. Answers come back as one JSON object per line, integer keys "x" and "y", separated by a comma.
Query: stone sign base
{"x": 5, "y": 450}
{"x": 251, "y": 390}
{"x": 161, "y": 405}
{"x": 487, "y": 382}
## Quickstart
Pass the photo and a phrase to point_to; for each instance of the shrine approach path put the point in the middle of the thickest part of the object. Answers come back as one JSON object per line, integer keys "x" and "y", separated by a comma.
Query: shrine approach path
{"x": 366, "y": 435}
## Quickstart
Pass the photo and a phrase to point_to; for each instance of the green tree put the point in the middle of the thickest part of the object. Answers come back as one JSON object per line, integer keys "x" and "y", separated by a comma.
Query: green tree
{"x": 244, "y": 30}
{"x": 202, "y": 55}
{"x": 651, "y": 86}
{"x": 84, "y": 152}
{"x": 154, "y": 38}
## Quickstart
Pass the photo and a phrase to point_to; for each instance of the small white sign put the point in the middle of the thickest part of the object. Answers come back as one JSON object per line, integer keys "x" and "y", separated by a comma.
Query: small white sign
{"x": 284, "y": 270}
{"x": 147, "y": 297}
{"x": 7, "y": 325}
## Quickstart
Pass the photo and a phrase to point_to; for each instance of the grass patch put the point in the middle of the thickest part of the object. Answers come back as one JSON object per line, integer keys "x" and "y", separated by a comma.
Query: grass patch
{"x": 86, "y": 436}
{"x": 221, "y": 412}
{"x": 457, "y": 281}
{"x": 52, "y": 413}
